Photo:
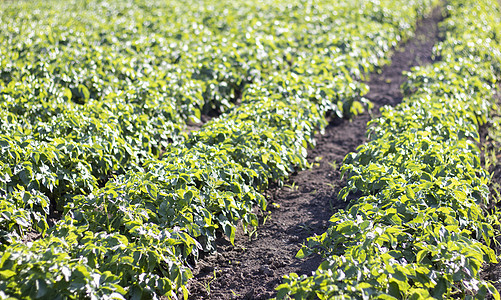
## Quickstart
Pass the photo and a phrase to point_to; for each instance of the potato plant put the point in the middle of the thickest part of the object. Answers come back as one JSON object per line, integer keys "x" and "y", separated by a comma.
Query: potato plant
{"x": 419, "y": 230}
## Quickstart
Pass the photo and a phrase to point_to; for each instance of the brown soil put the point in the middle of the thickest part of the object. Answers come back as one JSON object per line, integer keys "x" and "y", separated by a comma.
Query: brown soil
{"x": 254, "y": 266}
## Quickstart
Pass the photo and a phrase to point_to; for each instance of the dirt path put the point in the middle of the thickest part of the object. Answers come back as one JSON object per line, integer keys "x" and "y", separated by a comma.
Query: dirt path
{"x": 254, "y": 267}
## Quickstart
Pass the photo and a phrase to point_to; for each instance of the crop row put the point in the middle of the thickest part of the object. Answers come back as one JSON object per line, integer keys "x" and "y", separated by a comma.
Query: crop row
{"x": 92, "y": 111}
{"x": 419, "y": 231}
{"x": 86, "y": 96}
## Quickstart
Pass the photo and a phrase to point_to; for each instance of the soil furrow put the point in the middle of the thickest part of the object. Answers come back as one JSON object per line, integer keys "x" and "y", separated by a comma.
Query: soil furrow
{"x": 254, "y": 266}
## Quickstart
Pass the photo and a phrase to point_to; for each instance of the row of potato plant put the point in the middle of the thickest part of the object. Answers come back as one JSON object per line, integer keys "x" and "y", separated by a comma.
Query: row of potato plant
{"x": 418, "y": 231}
{"x": 90, "y": 90}
{"x": 93, "y": 108}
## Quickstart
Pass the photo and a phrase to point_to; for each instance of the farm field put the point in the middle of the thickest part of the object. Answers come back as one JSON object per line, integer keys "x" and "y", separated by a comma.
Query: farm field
{"x": 177, "y": 149}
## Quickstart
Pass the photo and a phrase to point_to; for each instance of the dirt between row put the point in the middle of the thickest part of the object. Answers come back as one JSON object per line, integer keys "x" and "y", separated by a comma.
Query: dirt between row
{"x": 254, "y": 267}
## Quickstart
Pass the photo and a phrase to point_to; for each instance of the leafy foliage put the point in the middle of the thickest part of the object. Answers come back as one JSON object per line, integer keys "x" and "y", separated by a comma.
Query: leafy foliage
{"x": 418, "y": 231}
{"x": 95, "y": 99}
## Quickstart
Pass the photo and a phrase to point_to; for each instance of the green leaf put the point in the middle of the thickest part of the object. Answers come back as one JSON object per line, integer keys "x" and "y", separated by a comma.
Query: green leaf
{"x": 440, "y": 289}
{"x": 67, "y": 95}
{"x": 6, "y": 274}
{"x": 229, "y": 230}
{"x": 152, "y": 190}
{"x": 409, "y": 193}
{"x": 301, "y": 253}
{"x": 421, "y": 255}
{"x": 188, "y": 196}
{"x": 83, "y": 91}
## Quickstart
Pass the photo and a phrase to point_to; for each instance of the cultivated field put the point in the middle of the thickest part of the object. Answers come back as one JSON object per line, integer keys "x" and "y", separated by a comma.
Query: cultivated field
{"x": 155, "y": 149}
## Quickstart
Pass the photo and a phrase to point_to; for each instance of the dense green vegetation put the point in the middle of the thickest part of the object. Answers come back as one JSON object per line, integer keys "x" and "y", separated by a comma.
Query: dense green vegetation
{"x": 419, "y": 231}
{"x": 95, "y": 97}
